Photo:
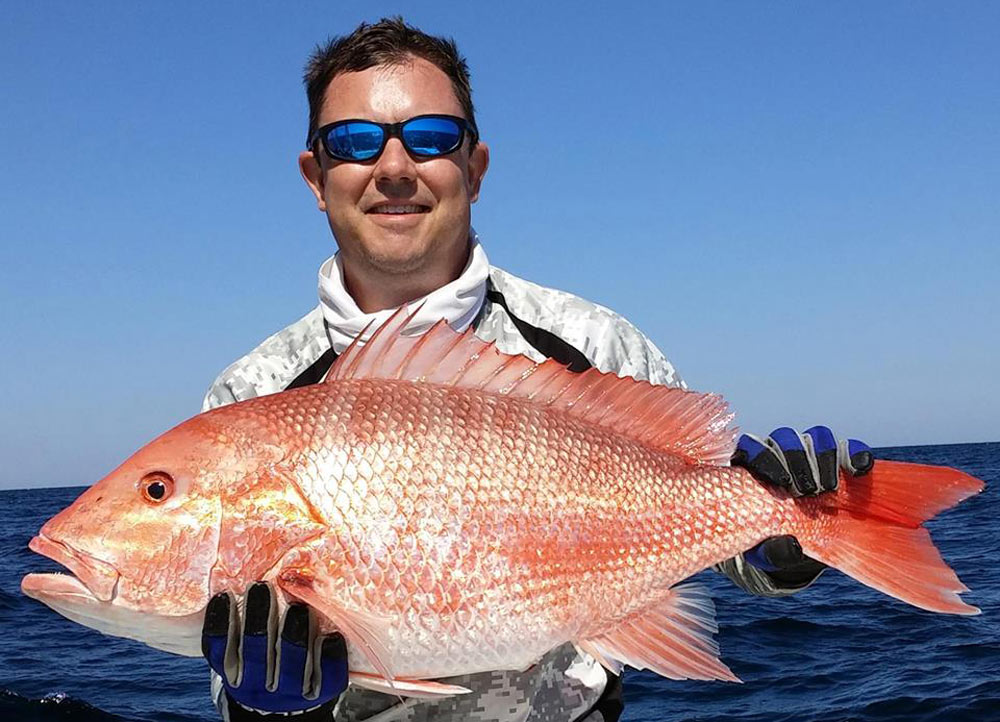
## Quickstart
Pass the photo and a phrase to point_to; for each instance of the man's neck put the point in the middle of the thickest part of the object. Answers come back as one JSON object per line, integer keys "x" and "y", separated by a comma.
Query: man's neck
{"x": 375, "y": 290}
{"x": 456, "y": 297}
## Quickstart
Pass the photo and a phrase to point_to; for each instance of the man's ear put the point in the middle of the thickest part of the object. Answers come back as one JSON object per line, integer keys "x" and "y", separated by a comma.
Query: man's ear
{"x": 312, "y": 174}
{"x": 479, "y": 161}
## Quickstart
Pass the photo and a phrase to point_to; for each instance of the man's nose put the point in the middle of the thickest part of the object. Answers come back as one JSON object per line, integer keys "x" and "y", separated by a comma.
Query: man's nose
{"x": 395, "y": 164}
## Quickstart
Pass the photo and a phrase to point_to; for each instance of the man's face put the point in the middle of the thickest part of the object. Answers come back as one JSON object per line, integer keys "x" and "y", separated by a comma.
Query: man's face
{"x": 431, "y": 238}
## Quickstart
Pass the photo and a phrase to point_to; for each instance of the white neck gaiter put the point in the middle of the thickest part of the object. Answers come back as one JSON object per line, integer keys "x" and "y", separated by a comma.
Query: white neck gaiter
{"x": 457, "y": 302}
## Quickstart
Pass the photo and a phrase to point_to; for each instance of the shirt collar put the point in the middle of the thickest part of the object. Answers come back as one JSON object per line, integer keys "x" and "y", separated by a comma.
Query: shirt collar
{"x": 458, "y": 302}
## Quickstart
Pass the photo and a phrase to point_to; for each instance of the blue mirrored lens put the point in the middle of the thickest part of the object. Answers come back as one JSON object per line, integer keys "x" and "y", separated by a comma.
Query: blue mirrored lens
{"x": 431, "y": 136}
{"x": 354, "y": 141}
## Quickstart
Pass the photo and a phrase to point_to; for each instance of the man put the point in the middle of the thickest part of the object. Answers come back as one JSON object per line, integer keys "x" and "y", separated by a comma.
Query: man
{"x": 394, "y": 160}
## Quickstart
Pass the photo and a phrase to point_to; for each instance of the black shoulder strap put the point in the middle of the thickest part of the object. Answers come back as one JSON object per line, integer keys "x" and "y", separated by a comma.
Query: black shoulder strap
{"x": 545, "y": 342}
{"x": 316, "y": 370}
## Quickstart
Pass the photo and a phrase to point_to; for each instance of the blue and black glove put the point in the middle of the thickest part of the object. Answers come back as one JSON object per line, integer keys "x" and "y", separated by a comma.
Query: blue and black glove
{"x": 270, "y": 666}
{"x": 805, "y": 465}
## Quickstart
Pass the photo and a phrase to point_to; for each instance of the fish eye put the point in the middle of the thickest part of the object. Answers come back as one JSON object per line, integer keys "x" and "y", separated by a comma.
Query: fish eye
{"x": 156, "y": 486}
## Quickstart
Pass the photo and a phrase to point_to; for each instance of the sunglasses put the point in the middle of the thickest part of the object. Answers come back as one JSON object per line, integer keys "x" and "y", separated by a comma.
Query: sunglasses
{"x": 425, "y": 136}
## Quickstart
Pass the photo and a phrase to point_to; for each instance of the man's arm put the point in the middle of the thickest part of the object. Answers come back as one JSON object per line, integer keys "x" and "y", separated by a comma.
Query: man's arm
{"x": 219, "y": 394}
{"x": 803, "y": 465}
{"x": 246, "y": 680}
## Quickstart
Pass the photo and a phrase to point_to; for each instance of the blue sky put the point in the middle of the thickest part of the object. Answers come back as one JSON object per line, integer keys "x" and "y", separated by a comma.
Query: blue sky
{"x": 796, "y": 201}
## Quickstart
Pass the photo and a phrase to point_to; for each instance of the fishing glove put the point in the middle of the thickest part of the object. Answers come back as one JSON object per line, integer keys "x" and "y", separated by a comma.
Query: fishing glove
{"x": 270, "y": 666}
{"x": 805, "y": 465}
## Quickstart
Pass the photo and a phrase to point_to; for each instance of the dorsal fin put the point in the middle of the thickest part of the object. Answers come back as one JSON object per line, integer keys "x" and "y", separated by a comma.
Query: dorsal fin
{"x": 688, "y": 424}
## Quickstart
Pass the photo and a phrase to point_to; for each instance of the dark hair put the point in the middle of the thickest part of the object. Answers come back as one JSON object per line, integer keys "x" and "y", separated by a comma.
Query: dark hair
{"x": 390, "y": 41}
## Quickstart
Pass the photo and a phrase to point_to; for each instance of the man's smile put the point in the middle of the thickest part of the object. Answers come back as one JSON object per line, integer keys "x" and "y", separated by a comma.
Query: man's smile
{"x": 397, "y": 215}
{"x": 398, "y": 209}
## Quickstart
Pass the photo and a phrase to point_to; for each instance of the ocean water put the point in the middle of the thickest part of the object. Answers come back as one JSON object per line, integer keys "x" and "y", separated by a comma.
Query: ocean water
{"x": 837, "y": 651}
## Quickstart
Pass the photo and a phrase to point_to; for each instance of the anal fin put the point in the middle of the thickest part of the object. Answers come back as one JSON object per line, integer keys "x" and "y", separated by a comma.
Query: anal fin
{"x": 674, "y": 639}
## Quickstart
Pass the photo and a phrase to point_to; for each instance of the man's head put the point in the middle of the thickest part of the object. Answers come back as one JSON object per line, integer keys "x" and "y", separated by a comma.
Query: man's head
{"x": 390, "y": 72}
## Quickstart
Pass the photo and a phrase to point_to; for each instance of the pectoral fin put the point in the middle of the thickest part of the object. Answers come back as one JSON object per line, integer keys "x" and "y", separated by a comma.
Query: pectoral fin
{"x": 363, "y": 630}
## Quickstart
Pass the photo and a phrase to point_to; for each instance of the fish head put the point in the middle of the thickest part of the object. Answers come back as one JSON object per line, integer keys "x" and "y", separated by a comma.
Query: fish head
{"x": 144, "y": 543}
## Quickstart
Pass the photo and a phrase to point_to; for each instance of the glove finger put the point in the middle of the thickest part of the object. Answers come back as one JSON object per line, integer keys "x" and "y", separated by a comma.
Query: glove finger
{"x": 800, "y": 466}
{"x": 294, "y": 672}
{"x": 257, "y": 651}
{"x": 220, "y": 637}
{"x": 761, "y": 461}
{"x": 825, "y": 450}
{"x": 333, "y": 669}
{"x": 856, "y": 457}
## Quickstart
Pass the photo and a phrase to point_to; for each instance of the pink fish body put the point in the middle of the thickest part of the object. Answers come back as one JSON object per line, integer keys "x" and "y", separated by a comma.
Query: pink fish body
{"x": 454, "y": 510}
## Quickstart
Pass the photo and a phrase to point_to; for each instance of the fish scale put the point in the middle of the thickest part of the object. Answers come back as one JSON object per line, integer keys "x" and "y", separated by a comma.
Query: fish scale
{"x": 451, "y": 510}
{"x": 556, "y": 539}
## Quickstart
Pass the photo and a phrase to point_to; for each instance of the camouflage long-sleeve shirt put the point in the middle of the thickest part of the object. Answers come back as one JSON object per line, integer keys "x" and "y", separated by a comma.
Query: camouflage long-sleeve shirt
{"x": 522, "y": 318}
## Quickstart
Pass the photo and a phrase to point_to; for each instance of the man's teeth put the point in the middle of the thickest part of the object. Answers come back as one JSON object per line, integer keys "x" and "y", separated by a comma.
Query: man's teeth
{"x": 399, "y": 209}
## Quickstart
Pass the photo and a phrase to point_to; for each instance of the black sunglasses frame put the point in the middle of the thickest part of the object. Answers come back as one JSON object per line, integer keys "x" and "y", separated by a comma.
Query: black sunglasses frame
{"x": 394, "y": 130}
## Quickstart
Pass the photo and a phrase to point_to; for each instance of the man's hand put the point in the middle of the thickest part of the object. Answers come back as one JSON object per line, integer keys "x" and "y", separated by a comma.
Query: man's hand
{"x": 804, "y": 464}
{"x": 269, "y": 667}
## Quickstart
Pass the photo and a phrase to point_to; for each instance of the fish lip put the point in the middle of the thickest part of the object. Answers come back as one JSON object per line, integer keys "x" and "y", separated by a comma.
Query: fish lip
{"x": 56, "y": 585}
{"x": 100, "y": 578}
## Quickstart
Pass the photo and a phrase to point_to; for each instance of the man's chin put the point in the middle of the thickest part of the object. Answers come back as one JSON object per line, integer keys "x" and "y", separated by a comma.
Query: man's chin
{"x": 398, "y": 250}
{"x": 396, "y": 264}
{"x": 403, "y": 250}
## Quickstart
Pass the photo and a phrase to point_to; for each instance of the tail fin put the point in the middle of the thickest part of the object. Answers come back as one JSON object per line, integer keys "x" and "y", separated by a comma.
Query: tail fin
{"x": 870, "y": 529}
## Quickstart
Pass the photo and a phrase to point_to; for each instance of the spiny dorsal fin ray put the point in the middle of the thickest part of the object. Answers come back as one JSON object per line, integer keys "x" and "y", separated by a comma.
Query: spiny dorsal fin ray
{"x": 681, "y": 422}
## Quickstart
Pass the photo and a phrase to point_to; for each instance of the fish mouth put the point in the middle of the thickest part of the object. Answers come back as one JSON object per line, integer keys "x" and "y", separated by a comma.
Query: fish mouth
{"x": 92, "y": 577}
{"x": 91, "y": 598}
